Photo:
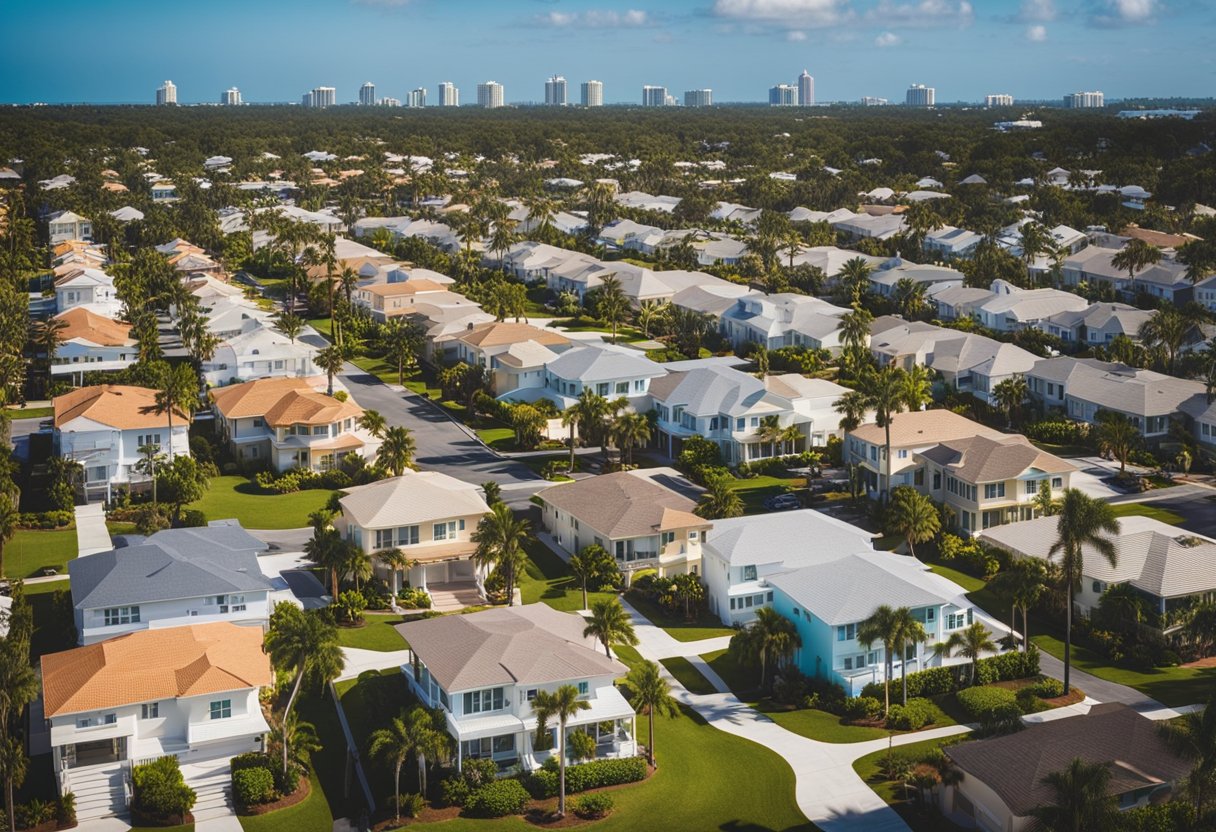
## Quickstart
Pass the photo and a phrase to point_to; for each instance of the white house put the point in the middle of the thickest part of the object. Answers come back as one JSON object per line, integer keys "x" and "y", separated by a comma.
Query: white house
{"x": 68, "y": 225}
{"x": 512, "y": 354}
{"x": 611, "y": 372}
{"x": 87, "y": 287}
{"x": 1012, "y": 308}
{"x": 1097, "y": 324}
{"x": 783, "y": 320}
{"x": 259, "y": 352}
{"x": 92, "y": 342}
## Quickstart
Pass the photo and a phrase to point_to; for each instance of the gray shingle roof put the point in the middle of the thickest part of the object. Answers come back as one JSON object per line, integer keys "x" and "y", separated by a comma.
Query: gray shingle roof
{"x": 807, "y": 537}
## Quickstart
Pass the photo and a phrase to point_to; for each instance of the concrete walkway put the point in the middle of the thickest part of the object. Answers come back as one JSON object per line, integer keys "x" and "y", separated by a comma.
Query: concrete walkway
{"x": 359, "y": 661}
{"x": 92, "y": 536}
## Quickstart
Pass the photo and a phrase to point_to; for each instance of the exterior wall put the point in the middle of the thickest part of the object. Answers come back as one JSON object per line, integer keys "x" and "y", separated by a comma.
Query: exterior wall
{"x": 680, "y": 554}
{"x": 91, "y": 626}
{"x": 98, "y": 447}
{"x": 252, "y": 440}
{"x": 870, "y": 457}
{"x": 1012, "y": 500}
{"x": 746, "y": 587}
{"x": 986, "y": 807}
{"x": 69, "y": 297}
{"x": 737, "y": 444}
{"x": 366, "y": 538}
{"x": 229, "y": 367}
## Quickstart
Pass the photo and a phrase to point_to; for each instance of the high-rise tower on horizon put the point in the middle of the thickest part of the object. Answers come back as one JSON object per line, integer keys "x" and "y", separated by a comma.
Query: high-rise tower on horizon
{"x": 166, "y": 94}
{"x": 593, "y": 93}
{"x": 449, "y": 95}
{"x": 806, "y": 89}
{"x": 367, "y": 94}
{"x": 919, "y": 95}
{"x": 653, "y": 96}
{"x": 783, "y": 95}
{"x": 231, "y": 97}
{"x": 556, "y": 92}
{"x": 699, "y": 98}
{"x": 490, "y": 95}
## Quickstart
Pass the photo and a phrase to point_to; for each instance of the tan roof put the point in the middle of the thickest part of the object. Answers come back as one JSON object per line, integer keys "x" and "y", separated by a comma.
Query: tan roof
{"x": 623, "y": 505}
{"x": 282, "y": 401}
{"x": 97, "y": 329}
{"x": 310, "y": 408}
{"x": 415, "y": 497}
{"x": 499, "y": 333}
{"x": 115, "y": 405}
{"x": 980, "y": 459}
{"x": 154, "y": 664}
{"x": 924, "y": 427}
{"x": 405, "y": 287}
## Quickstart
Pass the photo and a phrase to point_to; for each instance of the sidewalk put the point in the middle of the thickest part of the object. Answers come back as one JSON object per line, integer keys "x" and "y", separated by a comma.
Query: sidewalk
{"x": 92, "y": 536}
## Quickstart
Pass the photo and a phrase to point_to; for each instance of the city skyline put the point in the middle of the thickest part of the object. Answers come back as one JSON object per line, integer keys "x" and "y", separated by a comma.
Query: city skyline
{"x": 1033, "y": 49}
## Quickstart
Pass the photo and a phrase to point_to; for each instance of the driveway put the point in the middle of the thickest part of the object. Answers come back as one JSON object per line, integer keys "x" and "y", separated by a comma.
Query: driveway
{"x": 1195, "y": 503}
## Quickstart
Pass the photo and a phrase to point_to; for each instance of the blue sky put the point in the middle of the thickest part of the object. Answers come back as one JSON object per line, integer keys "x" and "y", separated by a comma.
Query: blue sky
{"x": 274, "y": 50}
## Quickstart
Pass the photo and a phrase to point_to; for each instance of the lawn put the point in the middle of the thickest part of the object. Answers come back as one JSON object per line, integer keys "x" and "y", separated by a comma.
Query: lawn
{"x": 54, "y": 629}
{"x": 377, "y": 367}
{"x": 312, "y": 813}
{"x": 376, "y": 634}
{"x": 547, "y": 578}
{"x": 703, "y": 626}
{"x": 31, "y": 550}
{"x": 370, "y": 703}
{"x": 688, "y": 676}
{"x": 867, "y": 767}
{"x": 498, "y": 438}
{"x": 969, "y": 583}
{"x": 755, "y": 490}
{"x": 743, "y": 681}
{"x": 1173, "y": 686}
{"x": 257, "y": 509}
{"x": 30, "y": 412}
{"x": 1164, "y": 515}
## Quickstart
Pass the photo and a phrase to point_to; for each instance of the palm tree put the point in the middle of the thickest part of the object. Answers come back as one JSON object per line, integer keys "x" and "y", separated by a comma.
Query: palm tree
{"x": 591, "y": 563}
{"x": 564, "y": 704}
{"x": 1134, "y": 257}
{"x": 971, "y": 643}
{"x": 1193, "y": 736}
{"x": 769, "y": 640}
{"x": 1036, "y": 240}
{"x": 882, "y": 626}
{"x": 854, "y": 336}
{"x": 331, "y": 360}
{"x": 1117, "y": 435}
{"x": 397, "y": 561}
{"x": 1084, "y": 523}
{"x": 396, "y": 452}
{"x": 886, "y": 395}
{"x": 611, "y": 304}
{"x": 306, "y": 645}
{"x": 400, "y": 341}
{"x": 770, "y": 431}
{"x": 178, "y": 391}
{"x": 917, "y": 387}
{"x": 852, "y": 407}
{"x": 373, "y": 422}
{"x": 588, "y": 414}
{"x": 10, "y": 519}
{"x": 1083, "y": 800}
{"x": 913, "y": 515}
{"x": 610, "y": 624}
{"x": 854, "y": 277}
{"x": 650, "y": 694}
{"x": 412, "y": 733}
{"x": 300, "y": 738}
{"x": 719, "y": 501}
{"x": 501, "y": 537}
{"x": 1009, "y": 395}
{"x": 13, "y": 766}
{"x": 1166, "y": 333}
{"x": 652, "y": 312}
{"x": 910, "y": 297}
{"x": 1025, "y": 581}
{"x": 289, "y": 324}
{"x": 630, "y": 430}
{"x": 909, "y": 632}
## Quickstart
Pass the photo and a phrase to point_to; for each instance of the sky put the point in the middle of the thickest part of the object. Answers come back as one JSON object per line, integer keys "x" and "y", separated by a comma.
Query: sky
{"x": 119, "y": 51}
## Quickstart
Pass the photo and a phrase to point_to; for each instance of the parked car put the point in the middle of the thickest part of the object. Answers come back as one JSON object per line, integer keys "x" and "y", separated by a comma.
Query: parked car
{"x": 783, "y": 502}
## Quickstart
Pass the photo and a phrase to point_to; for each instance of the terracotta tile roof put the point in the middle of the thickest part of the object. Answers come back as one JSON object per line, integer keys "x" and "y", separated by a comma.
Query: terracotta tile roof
{"x": 154, "y": 664}
{"x": 499, "y": 333}
{"x": 94, "y": 328}
{"x": 405, "y": 287}
{"x": 282, "y": 402}
{"x": 115, "y": 405}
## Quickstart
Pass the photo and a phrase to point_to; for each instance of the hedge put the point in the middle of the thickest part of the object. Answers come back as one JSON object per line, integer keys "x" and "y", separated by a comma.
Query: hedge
{"x": 980, "y": 703}
{"x": 938, "y": 680}
{"x": 911, "y": 717}
{"x": 592, "y": 775}
{"x": 251, "y": 786}
{"x": 497, "y": 799}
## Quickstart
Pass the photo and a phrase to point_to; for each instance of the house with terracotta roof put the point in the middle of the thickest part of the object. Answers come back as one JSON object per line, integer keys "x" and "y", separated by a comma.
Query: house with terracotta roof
{"x": 287, "y": 422}
{"x": 426, "y": 515}
{"x": 103, "y": 427}
{"x": 484, "y": 670}
{"x": 509, "y": 351}
{"x": 186, "y": 691}
{"x": 258, "y": 351}
{"x": 90, "y": 342}
{"x": 643, "y": 524}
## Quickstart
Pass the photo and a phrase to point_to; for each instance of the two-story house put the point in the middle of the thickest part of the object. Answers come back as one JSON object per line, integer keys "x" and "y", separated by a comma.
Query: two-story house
{"x": 259, "y": 352}
{"x": 741, "y": 553}
{"x": 68, "y": 225}
{"x": 87, "y": 287}
{"x": 1094, "y": 266}
{"x": 104, "y": 427}
{"x": 484, "y": 670}
{"x": 1098, "y": 324}
{"x": 828, "y": 602}
{"x": 507, "y": 351}
{"x": 188, "y": 691}
{"x": 92, "y": 342}
{"x": 288, "y": 423}
{"x": 643, "y": 524}
{"x": 783, "y": 320}
{"x": 173, "y": 578}
{"x": 611, "y": 372}
{"x": 390, "y": 300}
{"x": 1012, "y": 308}
{"x": 426, "y": 515}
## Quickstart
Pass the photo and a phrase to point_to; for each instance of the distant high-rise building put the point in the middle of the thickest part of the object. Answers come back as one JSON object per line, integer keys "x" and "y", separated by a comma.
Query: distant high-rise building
{"x": 367, "y": 94}
{"x": 1079, "y": 100}
{"x": 166, "y": 94}
{"x": 699, "y": 98}
{"x": 998, "y": 99}
{"x": 320, "y": 97}
{"x": 919, "y": 95}
{"x": 390, "y": 102}
{"x": 783, "y": 95}
{"x": 231, "y": 97}
{"x": 871, "y": 101}
{"x": 593, "y": 93}
{"x": 806, "y": 89}
{"x": 654, "y": 96}
{"x": 490, "y": 95}
{"x": 449, "y": 95}
{"x": 306, "y": 99}
{"x": 556, "y": 92}
{"x": 417, "y": 98}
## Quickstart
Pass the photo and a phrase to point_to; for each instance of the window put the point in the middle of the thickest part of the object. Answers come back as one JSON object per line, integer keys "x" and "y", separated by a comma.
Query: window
{"x": 937, "y": 480}
{"x": 846, "y": 632}
{"x": 749, "y": 601}
{"x": 229, "y": 603}
{"x": 504, "y": 743}
{"x": 530, "y": 695}
{"x": 221, "y": 709}
{"x": 97, "y": 473}
{"x": 993, "y": 490}
{"x": 480, "y": 701}
{"x": 1057, "y": 482}
{"x": 666, "y": 537}
{"x": 1097, "y": 587}
{"x": 732, "y": 603}
{"x": 622, "y": 388}
{"x": 403, "y": 536}
{"x": 930, "y": 614}
{"x": 755, "y": 421}
{"x": 149, "y": 710}
{"x": 445, "y": 531}
{"x": 602, "y": 388}
{"x": 584, "y": 688}
{"x": 955, "y": 620}
{"x": 1032, "y": 486}
{"x": 121, "y": 615}
{"x": 797, "y": 613}
{"x": 749, "y": 573}
{"x": 740, "y": 424}
{"x": 848, "y": 663}
{"x": 902, "y": 453}
{"x": 148, "y": 439}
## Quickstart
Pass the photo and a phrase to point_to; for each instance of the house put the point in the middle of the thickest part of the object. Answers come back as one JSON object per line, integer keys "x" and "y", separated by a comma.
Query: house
{"x": 1171, "y": 568}
{"x": 164, "y": 191}
{"x": 712, "y": 299}
{"x": 1011, "y": 308}
{"x": 864, "y": 226}
{"x": 87, "y": 287}
{"x": 91, "y": 342}
{"x": 68, "y": 225}
{"x": 828, "y": 601}
{"x": 1097, "y": 324}
{"x": 389, "y": 300}
{"x": 228, "y": 317}
{"x": 884, "y": 281}
{"x": 608, "y": 371}
{"x": 103, "y": 429}
{"x": 645, "y": 202}
{"x": 484, "y": 670}
{"x": 783, "y": 320}
{"x": 814, "y": 403}
{"x": 1003, "y": 777}
{"x": 831, "y": 259}
{"x": 1166, "y": 280}
{"x": 618, "y": 233}
{"x": 288, "y": 423}
{"x": 258, "y": 352}
{"x": 976, "y": 364}
{"x": 173, "y": 578}
{"x": 948, "y": 241}
{"x": 643, "y": 524}
{"x": 188, "y": 691}
{"x": 739, "y": 556}
{"x": 429, "y": 517}
{"x": 985, "y": 481}
{"x": 508, "y": 351}
{"x": 955, "y": 303}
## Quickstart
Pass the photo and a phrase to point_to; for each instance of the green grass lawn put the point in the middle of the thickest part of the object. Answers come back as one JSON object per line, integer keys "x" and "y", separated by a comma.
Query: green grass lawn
{"x": 1172, "y": 686}
{"x": 31, "y": 550}
{"x": 377, "y": 634}
{"x": 820, "y": 725}
{"x": 547, "y": 578}
{"x": 312, "y": 813}
{"x": 536, "y": 464}
{"x": 703, "y": 626}
{"x": 377, "y": 367}
{"x": 329, "y": 777}
{"x": 117, "y": 527}
{"x": 687, "y": 675}
{"x": 256, "y": 509}
{"x": 321, "y": 325}
{"x": 54, "y": 629}
{"x": 500, "y": 439}
{"x": 1063, "y": 450}
{"x": 755, "y": 490}
{"x": 867, "y": 767}
{"x": 30, "y": 412}
{"x": 970, "y": 583}
{"x": 370, "y": 703}
{"x": 1148, "y": 510}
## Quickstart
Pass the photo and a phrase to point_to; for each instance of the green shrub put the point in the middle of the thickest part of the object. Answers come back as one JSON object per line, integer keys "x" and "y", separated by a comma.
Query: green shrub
{"x": 1047, "y": 688}
{"x": 414, "y": 598}
{"x": 66, "y": 809}
{"x": 411, "y": 804}
{"x": 1006, "y": 667}
{"x": 1058, "y": 432}
{"x": 193, "y": 518}
{"x": 160, "y": 789}
{"x": 857, "y": 708}
{"x": 35, "y": 813}
{"x": 586, "y": 776}
{"x": 497, "y": 799}
{"x": 593, "y": 806}
{"x": 981, "y": 702}
{"x": 911, "y": 717}
{"x": 477, "y": 772}
{"x": 252, "y": 759}
{"x": 45, "y": 519}
{"x": 455, "y": 791}
{"x": 251, "y": 786}
{"x": 923, "y": 683}
{"x": 1028, "y": 703}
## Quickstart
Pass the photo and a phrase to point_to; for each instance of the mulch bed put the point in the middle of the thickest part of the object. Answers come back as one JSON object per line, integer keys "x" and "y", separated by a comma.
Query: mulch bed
{"x": 1209, "y": 661}
{"x": 298, "y": 796}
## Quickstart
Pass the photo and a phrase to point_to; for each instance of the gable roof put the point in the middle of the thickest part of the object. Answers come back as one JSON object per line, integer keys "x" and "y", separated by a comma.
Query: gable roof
{"x": 154, "y": 664}
{"x": 501, "y": 333}
{"x": 96, "y": 329}
{"x": 114, "y": 405}
{"x": 595, "y": 363}
{"x": 415, "y": 497}
{"x": 530, "y": 644}
{"x": 621, "y": 505}
{"x": 982, "y": 459}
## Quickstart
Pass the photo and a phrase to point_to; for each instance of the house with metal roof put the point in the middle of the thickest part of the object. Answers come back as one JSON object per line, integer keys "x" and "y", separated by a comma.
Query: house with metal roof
{"x": 609, "y": 371}
{"x": 483, "y": 671}
{"x": 949, "y": 241}
{"x": 884, "y": 281}
{"x": 1094, "y": 265}
{"x": 258, "y": 351}
{"x": 783, "y": 320}
{"x": 1012, "y": 308}
{"x": 1097, "y": 324}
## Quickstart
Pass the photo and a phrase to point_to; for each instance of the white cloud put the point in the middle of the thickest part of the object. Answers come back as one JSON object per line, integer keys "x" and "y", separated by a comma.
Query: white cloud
{"x": 810, "y": 13}
{"x": 1126, "y": 12}
{"x": 795, "y": 36}
{"x": 1037, "y": 11}
{"x": 887, "y": 39}
{"x": 596, "y": 19}
{"x": 926, "y": 13}
{"x": 1036, "y": 33}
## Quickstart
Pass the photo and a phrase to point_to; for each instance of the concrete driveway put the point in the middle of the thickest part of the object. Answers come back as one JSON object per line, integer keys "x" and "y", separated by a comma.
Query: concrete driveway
{"x": 1196, "y": 504}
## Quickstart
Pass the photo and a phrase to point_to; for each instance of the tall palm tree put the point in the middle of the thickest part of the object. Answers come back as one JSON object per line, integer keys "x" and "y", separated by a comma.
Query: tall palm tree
{"x": 177, "y": 392}
{"x": 412, "y": 733}
{"x": 289, "y": 324}
{"x": 1193, "y": 736}
{"x": 396, "y": 452}
{"x": 299, "y": 737}
{"x": 592, "y": 562}
{"x": 1117, "y": 435}
{"x": 769, "y": 640}
{"x": 1084, "y": 523}
{"x": 1166, "y": 333}
{"x": 1025, "y": 581}
{"x": 854, "y": 336}
{"x": 374, "y": 423}
{"x": 1009, "y": 396}
{"x": 887, "y": 396}
{"x": 854, "y": 277}
{"x": 562, "y": 704}
{"x": 652, "y": 312}
{"x": 852, "y": 407}
{"x": 913, "y": 515}
{"x": 719, "y": 501}
{"x": 397, "y": 561}
{"x": 611, "y": 304}
{"x": 501, "y": 537}
{"x": 1082, "y": 799}
{"x": 629, "y": 431}
{"x": 650, "y": 694}
{"x": 917, "y": 387}
{"x": 46, "y": 336}
{"x": 610, "y": 624}
{"x": 10, "y": 519}
{"x": 882, "y": 626}
{"x": 970, "y": 643}
{"x": 1135, "y": 257}
{"x": 331, "y": 360}
{"x": 909, "y": 632}
{"x": 588, "y": 414}
{"x": 13, "y": 766}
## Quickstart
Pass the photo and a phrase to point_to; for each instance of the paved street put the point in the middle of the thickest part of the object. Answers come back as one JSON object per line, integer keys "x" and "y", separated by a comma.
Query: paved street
{"x": 1196, "y": 504}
